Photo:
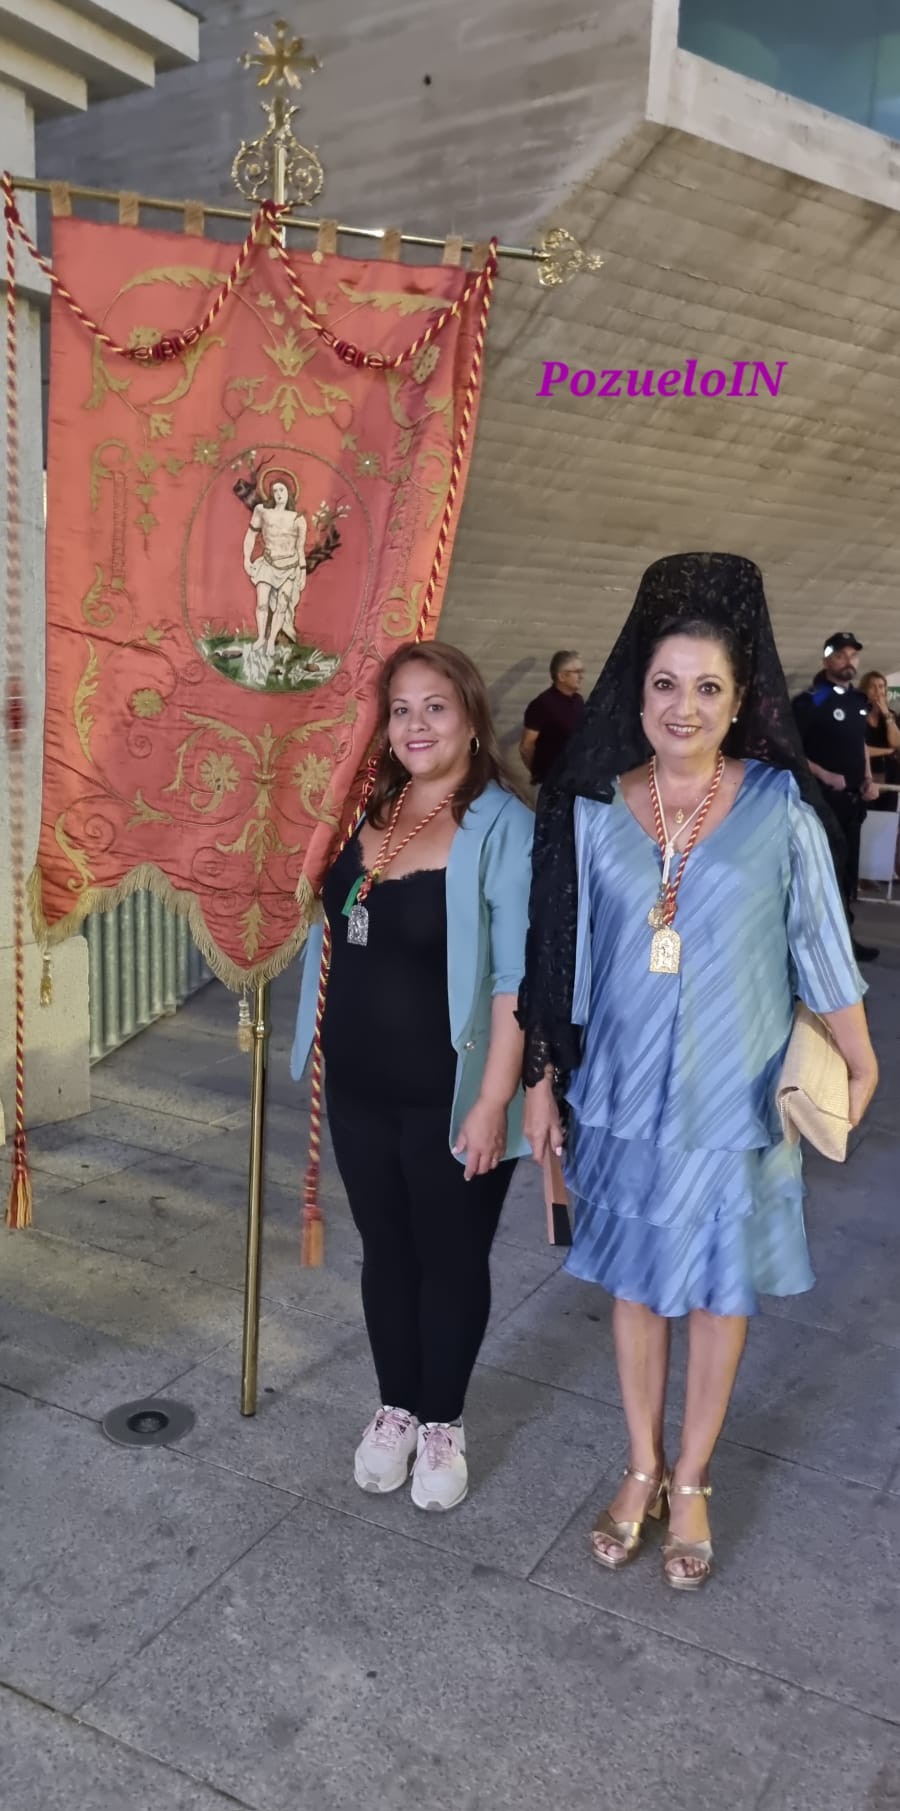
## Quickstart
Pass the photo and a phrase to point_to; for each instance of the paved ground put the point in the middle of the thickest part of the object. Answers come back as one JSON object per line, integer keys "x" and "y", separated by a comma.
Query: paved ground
{"x": 231, "y": 1622}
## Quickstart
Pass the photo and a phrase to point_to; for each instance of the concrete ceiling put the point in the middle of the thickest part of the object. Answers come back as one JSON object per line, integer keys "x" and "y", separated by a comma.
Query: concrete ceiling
{"x": 535, "y": 113}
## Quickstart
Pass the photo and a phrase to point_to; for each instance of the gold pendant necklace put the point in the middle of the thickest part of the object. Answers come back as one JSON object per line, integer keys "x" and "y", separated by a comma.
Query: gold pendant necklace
{"x": 665, "y": 948}
{"x": 355, "y": 909}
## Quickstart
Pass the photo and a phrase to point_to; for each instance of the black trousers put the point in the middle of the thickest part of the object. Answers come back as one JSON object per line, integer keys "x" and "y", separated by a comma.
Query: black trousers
{"x": 426, "y": 1237}
{"x": 850, "y": 810}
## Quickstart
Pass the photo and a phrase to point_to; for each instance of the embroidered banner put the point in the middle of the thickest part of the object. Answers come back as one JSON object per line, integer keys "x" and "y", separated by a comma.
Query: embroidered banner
{"x": 236, "y": 538}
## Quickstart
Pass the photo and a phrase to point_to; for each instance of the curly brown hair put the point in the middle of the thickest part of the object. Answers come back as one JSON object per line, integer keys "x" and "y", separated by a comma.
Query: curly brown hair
{"x": 486, "y": 763}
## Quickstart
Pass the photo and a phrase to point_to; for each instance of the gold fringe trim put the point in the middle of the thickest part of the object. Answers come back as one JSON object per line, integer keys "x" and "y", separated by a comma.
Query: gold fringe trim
{"x": 185, "y": 905}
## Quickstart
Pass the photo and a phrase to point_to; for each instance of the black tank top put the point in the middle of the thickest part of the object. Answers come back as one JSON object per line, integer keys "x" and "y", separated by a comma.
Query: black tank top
{"x": 386, "y": 1029}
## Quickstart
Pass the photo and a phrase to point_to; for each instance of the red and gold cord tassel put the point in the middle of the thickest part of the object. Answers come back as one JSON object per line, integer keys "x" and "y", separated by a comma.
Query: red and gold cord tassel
{"x": 312, "y": 1234}
{"x": 18, "y": 1212}
{"x": 312, "y": 1239}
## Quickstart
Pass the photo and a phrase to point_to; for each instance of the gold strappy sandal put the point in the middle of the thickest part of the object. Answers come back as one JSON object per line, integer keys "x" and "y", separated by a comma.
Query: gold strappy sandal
{"x": 628, "y": 1535}
{"x": 675, "y": 1548}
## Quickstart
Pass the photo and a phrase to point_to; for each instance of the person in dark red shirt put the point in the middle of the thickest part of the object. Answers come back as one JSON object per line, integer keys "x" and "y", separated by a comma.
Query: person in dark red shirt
{"x": 551, "y": 718}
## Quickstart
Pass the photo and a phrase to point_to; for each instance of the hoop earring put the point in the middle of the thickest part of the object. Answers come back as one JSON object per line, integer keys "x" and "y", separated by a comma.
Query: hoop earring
{"x": 390, "y": 752}
{"x": 474, "y": 746}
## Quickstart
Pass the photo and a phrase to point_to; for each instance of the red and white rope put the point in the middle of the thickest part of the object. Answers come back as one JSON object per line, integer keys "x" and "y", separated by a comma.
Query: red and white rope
{"x": 378, "y": 361}
{"x": 171, "y": 345}
{"x": 311, "y": 1239}
{"x": 18, "y": 1211}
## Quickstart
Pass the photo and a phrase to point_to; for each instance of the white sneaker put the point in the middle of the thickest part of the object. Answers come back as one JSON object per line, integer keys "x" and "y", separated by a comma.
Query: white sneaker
{"x": 440, "y": 1474}
{"x": 384, "y": 1452}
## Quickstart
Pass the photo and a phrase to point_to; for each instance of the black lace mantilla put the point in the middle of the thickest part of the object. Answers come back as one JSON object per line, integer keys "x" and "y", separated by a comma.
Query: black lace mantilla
{"x": 713, "y": 587}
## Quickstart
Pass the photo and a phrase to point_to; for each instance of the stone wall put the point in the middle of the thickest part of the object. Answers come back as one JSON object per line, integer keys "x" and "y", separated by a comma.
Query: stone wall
{"x": 537, "y": 113}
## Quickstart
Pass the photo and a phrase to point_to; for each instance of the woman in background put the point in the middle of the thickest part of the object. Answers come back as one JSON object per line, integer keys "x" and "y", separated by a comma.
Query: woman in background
{"x": 882, "y": 739}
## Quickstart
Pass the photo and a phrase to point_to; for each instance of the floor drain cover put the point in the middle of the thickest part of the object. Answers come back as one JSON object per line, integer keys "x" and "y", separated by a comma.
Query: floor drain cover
{"x": 150, "y": 1423}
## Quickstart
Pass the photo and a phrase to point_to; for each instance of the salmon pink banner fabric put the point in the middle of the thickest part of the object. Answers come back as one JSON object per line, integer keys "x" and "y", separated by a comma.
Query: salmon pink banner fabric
{"x": 237, "y": 537}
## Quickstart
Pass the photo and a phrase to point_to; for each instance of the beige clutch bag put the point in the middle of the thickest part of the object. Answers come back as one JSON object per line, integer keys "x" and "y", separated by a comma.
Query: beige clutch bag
{"x": 813, "y": 1096}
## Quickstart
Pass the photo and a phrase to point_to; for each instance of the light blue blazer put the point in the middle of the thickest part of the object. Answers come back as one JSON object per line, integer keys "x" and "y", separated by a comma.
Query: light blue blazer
{"x": 488, "y": 884}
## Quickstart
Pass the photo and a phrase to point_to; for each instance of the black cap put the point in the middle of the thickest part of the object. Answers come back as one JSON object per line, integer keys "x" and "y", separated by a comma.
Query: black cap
{"x": 842, "y": 639}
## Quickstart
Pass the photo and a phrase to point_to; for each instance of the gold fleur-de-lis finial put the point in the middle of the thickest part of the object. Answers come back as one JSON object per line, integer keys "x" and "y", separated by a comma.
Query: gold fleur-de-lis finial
{"x": 562, "y": 258}
{"x": 279, "y": 58}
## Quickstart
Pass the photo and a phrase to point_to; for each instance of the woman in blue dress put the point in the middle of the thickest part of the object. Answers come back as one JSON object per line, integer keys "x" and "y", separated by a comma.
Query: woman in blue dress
{"x": 684, "y": 896}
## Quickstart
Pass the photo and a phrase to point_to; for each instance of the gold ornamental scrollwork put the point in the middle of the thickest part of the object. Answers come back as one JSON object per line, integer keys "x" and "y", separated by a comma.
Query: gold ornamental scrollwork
{"x": 281, "y": 61}
{"x": 562, "y": 258}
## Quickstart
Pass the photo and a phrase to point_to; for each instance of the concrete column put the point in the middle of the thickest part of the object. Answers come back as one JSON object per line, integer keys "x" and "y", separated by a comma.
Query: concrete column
{"x": 57, "y": 1075}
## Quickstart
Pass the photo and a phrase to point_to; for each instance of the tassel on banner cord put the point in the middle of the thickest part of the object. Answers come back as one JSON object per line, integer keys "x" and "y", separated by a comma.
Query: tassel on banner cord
{"x": 245, "y": 1025}
{"x": 46, "y": 979}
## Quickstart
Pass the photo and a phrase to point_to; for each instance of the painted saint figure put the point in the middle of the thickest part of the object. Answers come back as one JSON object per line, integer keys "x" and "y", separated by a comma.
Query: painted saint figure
{"x": 279, "y": 572}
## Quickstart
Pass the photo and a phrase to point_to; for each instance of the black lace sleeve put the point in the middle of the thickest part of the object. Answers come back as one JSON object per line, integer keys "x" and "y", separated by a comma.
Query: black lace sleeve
{"x": 545, "y": 997}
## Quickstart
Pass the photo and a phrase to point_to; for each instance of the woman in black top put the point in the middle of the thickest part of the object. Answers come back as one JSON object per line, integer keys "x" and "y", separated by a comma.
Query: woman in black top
{"x": 882, "y": 740}
{"x": 427, "y": 909}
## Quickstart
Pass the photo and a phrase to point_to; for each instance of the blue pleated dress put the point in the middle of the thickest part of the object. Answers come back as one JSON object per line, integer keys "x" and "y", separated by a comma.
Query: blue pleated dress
{"x": 685, "y": 1193}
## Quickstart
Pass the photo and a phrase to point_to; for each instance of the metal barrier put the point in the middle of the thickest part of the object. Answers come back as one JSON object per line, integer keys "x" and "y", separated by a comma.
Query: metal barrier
{"x": 143, "y": 964}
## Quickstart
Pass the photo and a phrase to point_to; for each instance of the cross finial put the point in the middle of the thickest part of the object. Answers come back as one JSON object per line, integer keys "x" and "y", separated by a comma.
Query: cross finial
{"x": 279, "y": 58}
{"x": 274, "y": 165}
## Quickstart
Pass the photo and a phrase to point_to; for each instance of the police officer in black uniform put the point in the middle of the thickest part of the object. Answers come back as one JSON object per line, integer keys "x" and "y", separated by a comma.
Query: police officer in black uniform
{"x": 831, "y": 718}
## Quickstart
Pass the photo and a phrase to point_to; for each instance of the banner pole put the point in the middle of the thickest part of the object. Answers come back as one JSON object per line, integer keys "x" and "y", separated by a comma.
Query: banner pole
{"x": 253, "y": 1255}
{"x": 252, "y": 1269}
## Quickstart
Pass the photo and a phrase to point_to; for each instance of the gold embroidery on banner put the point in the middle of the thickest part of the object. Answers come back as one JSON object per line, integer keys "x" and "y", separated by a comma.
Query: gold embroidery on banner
{"x": 146, "y": 702}
{"x": 190, "y": 359}
{"x": 103, "y": 380}
{"x": 77, "y": 857}
{"x": 218, "y": 777}
{"x": 252, "y": 922}
{"x": 426, "y": 363}
{"x": 100, "y": 615}
{"x": 312, "y": 778}
{"x": 437, "y": 490}
{"x": 442, "y": 406}
{"x": 85, "y": 689}
{"x": 400, "y": 624}
{"x": 182, "y": 275}
{"x": 394, "y": 380}
{"x": 146, "y": 814}
{"x": 385, "y": 299}
{"x": 288, "y": 356}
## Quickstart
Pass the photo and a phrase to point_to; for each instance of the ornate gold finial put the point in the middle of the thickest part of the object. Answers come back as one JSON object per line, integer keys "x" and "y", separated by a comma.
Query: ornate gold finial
{"x": 275, "y": 166}
{"x": 280, "y": 59}
{"x": 563, "y": 258}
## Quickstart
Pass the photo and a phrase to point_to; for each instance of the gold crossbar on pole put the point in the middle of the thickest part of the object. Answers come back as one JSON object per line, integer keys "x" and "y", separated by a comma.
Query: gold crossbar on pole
{"x": 36, "y": 185}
